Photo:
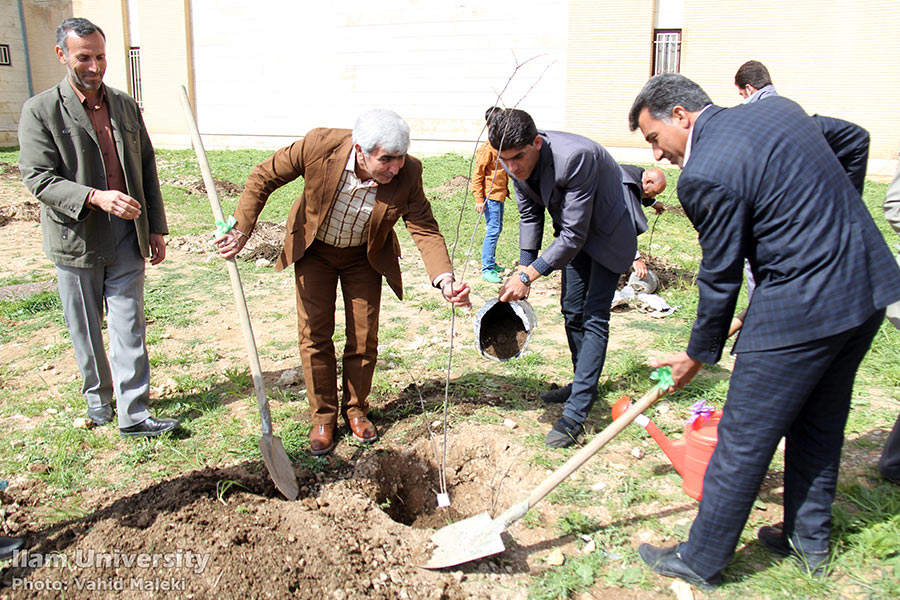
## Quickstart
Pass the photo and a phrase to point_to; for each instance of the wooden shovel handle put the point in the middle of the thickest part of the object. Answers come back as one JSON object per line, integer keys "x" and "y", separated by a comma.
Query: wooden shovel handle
{"x": 233, "y": 274}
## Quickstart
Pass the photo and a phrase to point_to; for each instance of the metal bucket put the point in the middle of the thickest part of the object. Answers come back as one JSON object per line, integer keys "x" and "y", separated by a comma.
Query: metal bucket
{"x": 503, "y": 329}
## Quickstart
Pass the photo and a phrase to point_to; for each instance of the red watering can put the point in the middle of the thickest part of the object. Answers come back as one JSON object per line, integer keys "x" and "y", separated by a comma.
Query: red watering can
{"x": 690, "y": 455}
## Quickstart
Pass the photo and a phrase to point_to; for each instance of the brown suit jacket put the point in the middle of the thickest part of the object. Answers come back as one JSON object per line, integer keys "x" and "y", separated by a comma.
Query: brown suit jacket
{"x": 320, "y": 158}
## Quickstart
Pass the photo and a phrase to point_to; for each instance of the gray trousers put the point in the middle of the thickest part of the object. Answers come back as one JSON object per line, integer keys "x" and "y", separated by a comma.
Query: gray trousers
{"x": 119, "y": 288}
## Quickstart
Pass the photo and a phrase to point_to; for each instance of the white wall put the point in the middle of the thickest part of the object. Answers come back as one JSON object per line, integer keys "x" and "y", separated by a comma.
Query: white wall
{"x": 439, "y": 65}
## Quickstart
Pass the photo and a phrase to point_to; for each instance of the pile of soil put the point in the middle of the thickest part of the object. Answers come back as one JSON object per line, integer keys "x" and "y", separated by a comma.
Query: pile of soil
{"x": 29, "y": 210}
{"x": 266, "y": 242}
{"x": 10, "y": 171}
{"x": 224, "y": 188}
{"x": 457, "y": 184}
{"x": 226, "y": 532}
{"x": 502, "y": 334}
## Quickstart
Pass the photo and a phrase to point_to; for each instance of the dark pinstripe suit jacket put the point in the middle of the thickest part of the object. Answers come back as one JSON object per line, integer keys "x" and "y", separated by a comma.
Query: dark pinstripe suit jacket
{"x": 762, "y": 182}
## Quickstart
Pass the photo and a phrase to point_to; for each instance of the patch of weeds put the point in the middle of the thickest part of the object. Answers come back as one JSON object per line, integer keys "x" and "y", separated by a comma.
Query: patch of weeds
{"x": 431, "y": 304}
{"x": 632, "y": 491}
{"x": 239, "y": 377}
{"x": 578, "y": 573}
{"x": 533, "y": 519}
{"x": 33, "y": 306}
{"x": 223, "y": 486}
{"x": 575, "y": 523}
{"x": 626, "y": 576}
{"x": 571, "y": 492}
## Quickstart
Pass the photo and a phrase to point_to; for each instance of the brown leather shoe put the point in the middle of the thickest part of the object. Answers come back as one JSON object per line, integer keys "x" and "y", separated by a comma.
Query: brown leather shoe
{"x": 362, "y": 429}
{"x": 321, "y": 439}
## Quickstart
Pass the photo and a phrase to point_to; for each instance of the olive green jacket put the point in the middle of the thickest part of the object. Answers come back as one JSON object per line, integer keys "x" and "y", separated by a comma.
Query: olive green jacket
{"x": 61, "y": 163}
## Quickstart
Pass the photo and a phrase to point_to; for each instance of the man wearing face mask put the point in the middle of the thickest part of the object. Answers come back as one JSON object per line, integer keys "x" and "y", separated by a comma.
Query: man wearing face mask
{"x": 357, "y": 186}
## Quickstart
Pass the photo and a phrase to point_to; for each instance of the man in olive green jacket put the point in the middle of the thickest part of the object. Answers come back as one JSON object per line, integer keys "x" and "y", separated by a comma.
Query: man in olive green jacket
{"x": 85, "y": 154}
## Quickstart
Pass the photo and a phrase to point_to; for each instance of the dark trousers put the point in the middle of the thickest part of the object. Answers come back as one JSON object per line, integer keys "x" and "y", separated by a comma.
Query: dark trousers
{"x": 801, "y": 393}
{"x": 317, "y": 274}
{"x": 587, "y": 293}
{"x": 889, "y": 464}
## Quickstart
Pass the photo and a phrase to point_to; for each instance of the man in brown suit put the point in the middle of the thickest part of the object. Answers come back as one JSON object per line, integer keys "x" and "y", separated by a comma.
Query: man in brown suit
{"x": 357, "y": 185}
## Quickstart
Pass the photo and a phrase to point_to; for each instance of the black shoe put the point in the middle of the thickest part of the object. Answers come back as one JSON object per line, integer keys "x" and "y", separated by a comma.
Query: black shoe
{"x": 557, "y": 395}
{"x": 149, "y": 427}
{"x": 773, "y": 539}
{"x": 564, "y": 434}
{"x": 8, "y": 545}
{"x": 667, "y": 561}
{"x": 101, "y": 415}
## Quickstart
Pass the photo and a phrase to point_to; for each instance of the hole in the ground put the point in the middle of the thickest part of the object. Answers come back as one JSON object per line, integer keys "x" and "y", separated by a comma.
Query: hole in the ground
{"x": 483, "y": 474}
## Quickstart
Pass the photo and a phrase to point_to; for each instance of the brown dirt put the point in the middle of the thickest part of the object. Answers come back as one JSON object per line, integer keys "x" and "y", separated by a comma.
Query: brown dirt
{"x": 345, "y": 537}
{"x": 456, "y": 184}
{"x": 29, "y": 210}
{"x": 196, "y": 186}
{"x": 502, "y": 332}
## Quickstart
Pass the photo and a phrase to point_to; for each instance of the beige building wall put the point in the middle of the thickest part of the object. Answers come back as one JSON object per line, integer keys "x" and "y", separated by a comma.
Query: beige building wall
{"x": 41, "y": 20}
{"x": 609, "y": 59}
{"x": 13, "y": 78}
{"x": 834, "y": 58}
{"x": 111, "y": 17}
{"x": 166, "y": 64}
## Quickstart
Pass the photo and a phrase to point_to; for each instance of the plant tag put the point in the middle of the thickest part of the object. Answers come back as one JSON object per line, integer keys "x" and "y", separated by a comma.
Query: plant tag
{"x": 443, "y": 500}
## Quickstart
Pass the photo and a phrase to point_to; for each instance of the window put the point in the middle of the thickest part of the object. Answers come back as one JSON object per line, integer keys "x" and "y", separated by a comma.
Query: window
{"x": 134, "y": 60}
{"x": 5, "y": 59}
{"x": 666, "y": 51}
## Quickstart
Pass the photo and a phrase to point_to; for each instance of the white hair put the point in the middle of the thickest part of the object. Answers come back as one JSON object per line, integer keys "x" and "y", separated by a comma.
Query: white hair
{"x": 381, "y": 128}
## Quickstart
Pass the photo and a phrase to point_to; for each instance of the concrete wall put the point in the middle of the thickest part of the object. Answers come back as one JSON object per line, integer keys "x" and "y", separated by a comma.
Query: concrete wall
{"x": 609, "y": 59}
{"x": 13, "y": 78}
{"x": 41, "y": 20}
{"x": 439, "y": 65}
{"x": 835, "y": 58}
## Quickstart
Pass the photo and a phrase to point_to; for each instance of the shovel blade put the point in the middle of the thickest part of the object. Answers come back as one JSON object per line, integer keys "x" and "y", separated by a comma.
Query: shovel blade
{"x": 279, "y": 465}
{"x": 464, "y": 541}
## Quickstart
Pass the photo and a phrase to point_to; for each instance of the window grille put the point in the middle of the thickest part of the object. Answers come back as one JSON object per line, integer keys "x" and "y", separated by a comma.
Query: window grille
{"x": 5, "y": 58}
{"x": 666, "y": 51}
{"x": 134, "y": 60}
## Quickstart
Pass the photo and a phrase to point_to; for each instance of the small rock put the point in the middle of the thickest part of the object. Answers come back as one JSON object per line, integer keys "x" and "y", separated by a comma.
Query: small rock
{"x": 436, "y": 424}
{"x": 50, "y": 411}
{"x": 263, "y": 262}
{"x": 290, "y": 377}
{"x": 165, "y": 336}
{"x": 585, "y": 537}
{"x": 82, "y": 423}
{"x": 637, "y": 452}
{"x": 458, "y": 576}
{"x": 598, "y": 486}
{"x": 509, "y": 423}
{"x": 590, "y": 547}
{"x": 337, "y": 594}
{"x": 556, "y": 558}
{"x": 663, "y": 409}
{"x": 39, "y": 468}
{"x": 383, "y": 577}
{"x": 17, "y": 443}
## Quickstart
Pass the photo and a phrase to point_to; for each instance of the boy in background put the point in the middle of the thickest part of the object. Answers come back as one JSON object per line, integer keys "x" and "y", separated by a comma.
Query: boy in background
{"x": 490, "y": 186}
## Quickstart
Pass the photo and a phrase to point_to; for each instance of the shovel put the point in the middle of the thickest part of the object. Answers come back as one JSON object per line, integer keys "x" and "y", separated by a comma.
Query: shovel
{"x": 479, "y": 536}
{"x": 276, "y": 459}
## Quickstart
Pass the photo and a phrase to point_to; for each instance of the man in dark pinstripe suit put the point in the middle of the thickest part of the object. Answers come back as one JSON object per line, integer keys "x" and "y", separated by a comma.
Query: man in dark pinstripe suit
{"x": 762, "y": 182}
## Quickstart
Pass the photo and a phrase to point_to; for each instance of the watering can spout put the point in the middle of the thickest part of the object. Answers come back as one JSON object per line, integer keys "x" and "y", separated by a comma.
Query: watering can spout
{"x": 674, "y": 451}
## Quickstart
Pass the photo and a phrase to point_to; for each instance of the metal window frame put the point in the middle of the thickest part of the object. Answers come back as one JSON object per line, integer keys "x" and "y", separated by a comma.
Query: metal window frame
{"x": 134, "y": 64}
{"x": 5, "y": 56}
{"x": 666, "y": 51}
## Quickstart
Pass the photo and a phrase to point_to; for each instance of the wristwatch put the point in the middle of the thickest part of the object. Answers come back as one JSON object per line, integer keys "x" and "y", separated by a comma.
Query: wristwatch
{"x": 524, "y": 278}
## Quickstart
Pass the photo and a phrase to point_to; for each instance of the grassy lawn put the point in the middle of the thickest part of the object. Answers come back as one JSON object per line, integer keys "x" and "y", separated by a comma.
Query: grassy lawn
{"x": 207, "y": 386}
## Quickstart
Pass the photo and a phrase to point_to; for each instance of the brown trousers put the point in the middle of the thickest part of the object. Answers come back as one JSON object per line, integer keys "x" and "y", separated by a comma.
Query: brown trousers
{"x": 317, "y": 274}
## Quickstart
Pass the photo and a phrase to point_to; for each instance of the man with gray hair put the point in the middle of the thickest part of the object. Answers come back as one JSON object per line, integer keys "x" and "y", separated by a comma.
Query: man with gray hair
{"x": 85, "y": 154}
{"x": 357, "y": 185}
{"x": 818, "y": 304}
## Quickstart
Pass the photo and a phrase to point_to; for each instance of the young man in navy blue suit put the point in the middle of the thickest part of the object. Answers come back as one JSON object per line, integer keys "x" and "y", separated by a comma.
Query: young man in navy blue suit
{"x": 577, "y": 182}
{"x": 761, "y": 181}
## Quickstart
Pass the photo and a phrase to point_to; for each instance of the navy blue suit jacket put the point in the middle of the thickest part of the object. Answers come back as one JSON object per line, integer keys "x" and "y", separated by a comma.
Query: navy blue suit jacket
{"x": 581, "y": 188}
{"x": 762, "y": 182}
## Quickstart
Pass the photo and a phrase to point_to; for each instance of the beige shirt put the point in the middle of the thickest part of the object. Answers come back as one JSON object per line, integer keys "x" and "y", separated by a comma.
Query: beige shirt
{"x": 347, "y": 221}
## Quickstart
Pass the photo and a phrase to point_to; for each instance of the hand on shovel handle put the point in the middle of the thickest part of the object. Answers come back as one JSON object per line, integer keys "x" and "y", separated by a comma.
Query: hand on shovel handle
{"x": 683, "y": 369}
{"x": 230, "y": 244}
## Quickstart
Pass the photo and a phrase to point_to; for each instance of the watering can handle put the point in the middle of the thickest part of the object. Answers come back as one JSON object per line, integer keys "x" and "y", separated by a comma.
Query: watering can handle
{"x": 594, "y": 446}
